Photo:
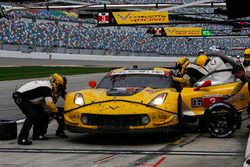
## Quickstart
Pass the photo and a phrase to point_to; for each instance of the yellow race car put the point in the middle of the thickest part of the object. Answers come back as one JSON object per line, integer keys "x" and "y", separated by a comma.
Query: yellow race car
{"x": 146, "y": 100}
{"x": 126, "y": 100}
{"x": 218, "y": 100}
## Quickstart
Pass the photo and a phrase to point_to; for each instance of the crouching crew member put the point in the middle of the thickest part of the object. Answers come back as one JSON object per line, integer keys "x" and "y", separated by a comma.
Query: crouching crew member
{"x": 35, "y": 100}
{"x": 187, "y": 73}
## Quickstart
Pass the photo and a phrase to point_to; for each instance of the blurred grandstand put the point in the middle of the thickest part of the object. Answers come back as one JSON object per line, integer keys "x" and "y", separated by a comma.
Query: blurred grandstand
{"x": 64, "y": 32}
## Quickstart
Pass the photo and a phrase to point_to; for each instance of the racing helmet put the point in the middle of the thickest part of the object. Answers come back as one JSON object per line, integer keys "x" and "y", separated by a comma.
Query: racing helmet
{"x": 58, "y": 82}
{"x": 181, "y": 64}
{"x": 201, "y": 52}
{"x": 247, "y": 52}
{"x": 202, "y": 60}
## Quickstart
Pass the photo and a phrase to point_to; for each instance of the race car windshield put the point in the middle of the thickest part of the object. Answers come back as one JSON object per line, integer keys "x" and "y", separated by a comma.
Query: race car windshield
{"x": 153, "y": 81}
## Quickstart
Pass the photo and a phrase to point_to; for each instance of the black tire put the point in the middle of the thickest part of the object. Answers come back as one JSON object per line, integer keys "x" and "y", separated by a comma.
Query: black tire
{"x": 221, "y": 119}
{"x": 8, "y": 130}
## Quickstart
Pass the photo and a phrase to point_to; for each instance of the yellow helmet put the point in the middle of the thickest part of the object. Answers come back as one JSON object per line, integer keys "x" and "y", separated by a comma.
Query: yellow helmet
{"x": 181, "y": 64}
{"x": 201, "y": 60}
{"x": 58, "y": 82}
{"x": 247, "y": 52}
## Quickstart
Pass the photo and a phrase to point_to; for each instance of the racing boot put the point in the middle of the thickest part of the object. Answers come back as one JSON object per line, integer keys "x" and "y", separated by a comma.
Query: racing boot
{"x": 40, "y": 138}
{"x": 24, "y": 142}
{"x": 61, "y": 134}
{"x": 60, "y": 130}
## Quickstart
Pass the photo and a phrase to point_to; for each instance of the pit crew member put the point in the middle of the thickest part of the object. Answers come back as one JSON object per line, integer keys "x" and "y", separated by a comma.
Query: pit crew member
{"x": 188, "y": 73}
{"x": 35, "y": 100}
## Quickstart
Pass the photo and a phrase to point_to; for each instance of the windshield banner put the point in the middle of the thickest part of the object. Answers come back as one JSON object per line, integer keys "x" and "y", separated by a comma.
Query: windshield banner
{"x": 158, "y": 72}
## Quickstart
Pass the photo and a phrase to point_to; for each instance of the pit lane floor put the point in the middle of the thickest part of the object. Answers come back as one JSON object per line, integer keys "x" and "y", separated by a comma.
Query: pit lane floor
{"x": 192, "y": 149}
{"x": 144, "y": 150}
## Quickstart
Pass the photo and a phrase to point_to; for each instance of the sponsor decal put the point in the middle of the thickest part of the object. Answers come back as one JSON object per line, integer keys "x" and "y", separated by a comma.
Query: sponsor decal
{"x": 213, "y": 62}
{"x": 125, "y": 17}
{"x": 145, "y": 17}
{"x": 113, "y": 108}
{"x": 183, "y": 31}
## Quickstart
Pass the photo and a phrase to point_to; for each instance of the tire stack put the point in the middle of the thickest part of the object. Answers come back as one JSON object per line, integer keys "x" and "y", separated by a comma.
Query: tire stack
{"x": 8, "y": 129}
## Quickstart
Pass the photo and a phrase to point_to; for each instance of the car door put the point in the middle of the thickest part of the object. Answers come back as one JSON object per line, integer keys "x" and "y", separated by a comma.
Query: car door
{"x": 210, "y": 89}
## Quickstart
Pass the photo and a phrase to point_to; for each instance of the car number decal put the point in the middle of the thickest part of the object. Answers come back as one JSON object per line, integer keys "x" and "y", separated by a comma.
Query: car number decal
{"x": 196, "y": 102}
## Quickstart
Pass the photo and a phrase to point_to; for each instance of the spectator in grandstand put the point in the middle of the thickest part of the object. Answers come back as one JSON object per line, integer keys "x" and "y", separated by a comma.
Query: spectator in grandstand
{"x": 246, "y": 61}
{"x": 188, "y": 73}
{"x": 36, "y": 100}
{"x": 44, "y": 33}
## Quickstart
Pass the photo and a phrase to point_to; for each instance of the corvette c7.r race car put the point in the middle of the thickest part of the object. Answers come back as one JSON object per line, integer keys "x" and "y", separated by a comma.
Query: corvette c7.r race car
{"x": 126, "y": 100}
{"x": 146, "y": 100}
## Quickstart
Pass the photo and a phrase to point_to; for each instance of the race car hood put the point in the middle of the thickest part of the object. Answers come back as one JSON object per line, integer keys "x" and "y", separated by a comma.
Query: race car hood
{"x": 142, "y": 95}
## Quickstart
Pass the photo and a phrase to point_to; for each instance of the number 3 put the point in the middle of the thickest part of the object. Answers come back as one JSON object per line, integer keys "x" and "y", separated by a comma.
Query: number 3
{"x": 103, "y": 18}
{"x": 212, "y": 100}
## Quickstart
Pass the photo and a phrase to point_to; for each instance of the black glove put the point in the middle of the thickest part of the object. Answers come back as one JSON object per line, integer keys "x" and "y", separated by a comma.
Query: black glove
{"x": 60, "y": 110}
{"x": 225, "y": 97}
{"x": 174, "y": 73}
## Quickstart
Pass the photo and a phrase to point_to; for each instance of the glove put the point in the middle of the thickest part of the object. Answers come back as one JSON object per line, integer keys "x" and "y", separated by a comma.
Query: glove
{"x": 60, "y": 110}
{"x": 226, "y": 97}
{"x": 175, "y": 73}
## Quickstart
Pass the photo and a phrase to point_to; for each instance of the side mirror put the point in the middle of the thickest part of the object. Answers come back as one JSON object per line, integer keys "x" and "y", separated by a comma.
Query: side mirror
{"x": 205, "y": 84}
{"x": 92, "y": 84}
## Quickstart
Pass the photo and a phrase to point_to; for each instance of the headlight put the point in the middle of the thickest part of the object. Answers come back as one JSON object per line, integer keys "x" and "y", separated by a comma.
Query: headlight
{"x": 79, "y": 99}
{"x": 158, "y": 100}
